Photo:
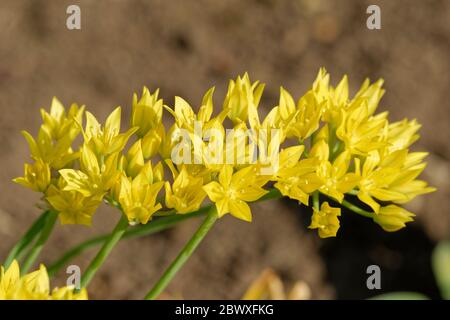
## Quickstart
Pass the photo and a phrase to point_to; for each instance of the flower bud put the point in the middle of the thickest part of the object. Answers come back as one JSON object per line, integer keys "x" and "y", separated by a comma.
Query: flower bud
{"x": 392, "y": 218}
{"x": 146, "y": 112}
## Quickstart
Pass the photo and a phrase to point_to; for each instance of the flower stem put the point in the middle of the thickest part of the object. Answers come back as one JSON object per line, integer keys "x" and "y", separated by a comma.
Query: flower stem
{"x": 49, "y": 223}
{"x": 138, "y": 231}
{"x": 154, "y": 226}
{"x": 27, "y": 238}
{"x": 184, "y": 255}
{"x": 105, "y": 250}
{"x": 316, "y": 203}
{"x": 357, "y": 209}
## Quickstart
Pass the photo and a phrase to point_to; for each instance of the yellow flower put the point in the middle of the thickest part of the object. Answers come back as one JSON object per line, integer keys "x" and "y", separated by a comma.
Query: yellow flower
{"x": 299, "y": 181}
{"x": 134, "y": 161}
{"x": 95, "y": 177}
{"x": 401, "y": 134}
{"x": 241, "y": 93}
{"x": 186, "y": 193}
{"x": 185, "y": 116}
{"x": 152, "y": 141}
{"x": 302, "y": 120}
{"x": 107, "y": 140}
{"x": 296, "y": 178}
{"x": 360, "y": 132}
{"x": 336, "y": 180}
{"x": 370, "y": 94}
{"x": 391, "y": 179}
{"x": 73, "y": 207}
{"x": 146, "y": 112}
{"x": 137, "y": 197}
{"x": 232, "y": 191}
{"x": 36, "y": 177}
{"x": 56, "y": 135}
{"x": 33, "y": 286}
{"x": 326, "y": 220}
{"x": 60, "y": 125}
{"x": 392, "y": 218}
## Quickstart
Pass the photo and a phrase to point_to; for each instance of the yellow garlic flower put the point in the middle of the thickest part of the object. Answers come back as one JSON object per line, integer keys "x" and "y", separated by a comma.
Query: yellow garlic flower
{"x": 73, "y": 207}
{"x": 56, "y": 135}
{"x": 232, "y": 192}
{"x": 300, "y": 120}
{"x": 146, "y": 112}
{"x": 326, "y": 220}
{"x": 36, "y": 177}
{"x": 391, "y": 179}
{"x": 241, "y": 94}
{"x": 97, "y": 174}
{"x": 335, "y": 177}
{"x": 137, "y": 197}
{"x": 296, "y": 178}
{"x": 185, "y": 194}
{"x": 108, "y": 139}
{"x": 33, "y": 286}
{"x": 393, "y": 218}
{"x": 326, "y": 141}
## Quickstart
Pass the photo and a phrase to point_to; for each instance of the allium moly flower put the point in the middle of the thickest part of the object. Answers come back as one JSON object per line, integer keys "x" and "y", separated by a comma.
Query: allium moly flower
{"x": 146, "y": 115}
{"x": 56, "y": 135}
{"x": 59, "y": 124}
{"x": 299, "y": 120}
{"x": 393, "y": 218}
{"x": 360, "y": 132}
{"x": 108, "y": 139}
{"x": 336, "y": 180}
{"x": 326, "y": 220}
{"x": 296, "y": 178}
{"x": 241, "y": 93}
{"x": 401, "y": 134}
{"x": 73, "y": 207}
{"x": 33, "y": 286}
{"x": 232, "y": 191}
{"x": 134, "y": 160}
{"x": 36, "y": 176}
{"x": 185, "y": 116}
{"x": 96, "y": 176}
{"x": 392, "y": 178}
{"x": 146, "y": 112}
{"x": 137, "y": 197}
{"x": 186, "y": 193}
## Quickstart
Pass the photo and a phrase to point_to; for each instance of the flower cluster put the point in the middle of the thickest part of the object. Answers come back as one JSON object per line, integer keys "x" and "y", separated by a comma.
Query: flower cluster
{"x": 33, "y": 286}
{"x": 326, "y": 143}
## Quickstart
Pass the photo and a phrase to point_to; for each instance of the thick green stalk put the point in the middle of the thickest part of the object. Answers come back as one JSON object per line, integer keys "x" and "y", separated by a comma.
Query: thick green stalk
{"x": 184, "y": 255}
{"x": 106, "y": 249}
{"x": 49, "y": 223}
{"x": 27, "y": 238}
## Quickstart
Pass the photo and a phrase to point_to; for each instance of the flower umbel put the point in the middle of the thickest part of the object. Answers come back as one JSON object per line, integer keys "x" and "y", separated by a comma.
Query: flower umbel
{"x": 33, "y": 286}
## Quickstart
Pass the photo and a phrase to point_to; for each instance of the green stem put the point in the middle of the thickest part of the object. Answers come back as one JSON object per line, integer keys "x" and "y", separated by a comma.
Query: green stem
{"x": 357, "y": 209}
{"x": 27, "y": 238}
{"x": 49, "y": 223}
{"x": 316, "y": 203}
{"x": 106, "y": 249}
{"x": 184, "y": 254}
{"x": 138, "y": 231}
{"x": 142, "y": 230}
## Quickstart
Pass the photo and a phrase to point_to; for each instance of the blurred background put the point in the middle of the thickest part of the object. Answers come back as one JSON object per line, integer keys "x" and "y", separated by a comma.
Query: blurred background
{"x": 185, "y": 47}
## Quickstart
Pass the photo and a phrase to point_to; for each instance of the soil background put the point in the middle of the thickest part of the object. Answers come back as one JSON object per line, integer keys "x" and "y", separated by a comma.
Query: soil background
{"x": 185, "y": 47}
